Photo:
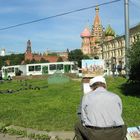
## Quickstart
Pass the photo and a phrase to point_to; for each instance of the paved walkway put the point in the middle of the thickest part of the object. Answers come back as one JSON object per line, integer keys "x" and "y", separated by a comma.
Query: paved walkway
{"x": 61, "y": 135}
{"x": 8, "y": 137}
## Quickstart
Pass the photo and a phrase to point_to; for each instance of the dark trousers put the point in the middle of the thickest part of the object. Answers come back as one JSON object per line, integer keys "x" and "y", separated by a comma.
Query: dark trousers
{"x": 88, "y": 133}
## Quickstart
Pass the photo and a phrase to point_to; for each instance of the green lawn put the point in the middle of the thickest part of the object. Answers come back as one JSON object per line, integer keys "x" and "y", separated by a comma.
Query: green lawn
{"x": 54, "y": 107}
{"x": 131, "y": 104}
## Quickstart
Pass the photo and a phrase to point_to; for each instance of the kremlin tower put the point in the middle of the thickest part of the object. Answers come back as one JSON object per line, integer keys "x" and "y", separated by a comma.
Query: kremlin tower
{"x": 28, "y": 53}
{"x": 30, "y": 57}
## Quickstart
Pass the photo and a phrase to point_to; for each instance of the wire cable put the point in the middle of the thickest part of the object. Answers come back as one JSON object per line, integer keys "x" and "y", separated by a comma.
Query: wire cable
{"x": 58, "y": 15}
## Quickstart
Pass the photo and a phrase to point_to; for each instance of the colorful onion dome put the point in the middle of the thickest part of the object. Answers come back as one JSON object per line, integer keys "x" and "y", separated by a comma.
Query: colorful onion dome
{"x": 109, "y": 31}
{"x": 86, "y": 32}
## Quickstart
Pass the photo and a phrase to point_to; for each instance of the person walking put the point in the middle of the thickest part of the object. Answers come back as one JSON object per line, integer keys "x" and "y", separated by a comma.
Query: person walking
{"x": 101, "y": 111}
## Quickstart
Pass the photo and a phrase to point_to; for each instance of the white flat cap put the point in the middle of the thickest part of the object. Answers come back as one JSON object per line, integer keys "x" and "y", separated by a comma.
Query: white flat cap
{"x": 97, "y": 79}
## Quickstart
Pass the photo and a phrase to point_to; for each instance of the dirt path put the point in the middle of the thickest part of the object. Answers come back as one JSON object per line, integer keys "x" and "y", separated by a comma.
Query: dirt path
{"x": 69, "y": 135}
{"x": 8, "y": 137}
{"x": 61, "y": 134}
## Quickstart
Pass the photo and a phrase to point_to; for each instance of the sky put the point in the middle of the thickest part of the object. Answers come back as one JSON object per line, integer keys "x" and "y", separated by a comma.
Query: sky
{"x": 59, "y": 33}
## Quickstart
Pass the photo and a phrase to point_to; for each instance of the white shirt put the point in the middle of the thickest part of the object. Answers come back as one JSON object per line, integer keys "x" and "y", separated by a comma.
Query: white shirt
{"x": 101, "y": 108}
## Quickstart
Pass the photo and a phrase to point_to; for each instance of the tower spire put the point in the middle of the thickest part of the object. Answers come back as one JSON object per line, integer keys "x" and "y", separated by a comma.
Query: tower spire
{"x": 29, "y": 46}
{"x": 97, "y": 19}
{"x": 97, "y": 10}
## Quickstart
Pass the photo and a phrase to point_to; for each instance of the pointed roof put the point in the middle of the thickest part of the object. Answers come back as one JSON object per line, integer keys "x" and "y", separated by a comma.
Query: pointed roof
{"x": 28, "y": 46}
{"x": 97, "y": 18}
{"x": 109, "y": 31}
{"x": 86, "y": 32}
{"x": 29, "y": 43}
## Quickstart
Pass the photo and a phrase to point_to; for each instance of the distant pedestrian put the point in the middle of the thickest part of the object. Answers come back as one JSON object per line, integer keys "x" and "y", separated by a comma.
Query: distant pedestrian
{"x": 119, "y": 68}
{"x": 101, "y": 112}
{"x": 0, "y": 75}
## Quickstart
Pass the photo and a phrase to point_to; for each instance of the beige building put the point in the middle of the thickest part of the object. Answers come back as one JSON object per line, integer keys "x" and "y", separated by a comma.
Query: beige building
{"x": 113, "y": 51}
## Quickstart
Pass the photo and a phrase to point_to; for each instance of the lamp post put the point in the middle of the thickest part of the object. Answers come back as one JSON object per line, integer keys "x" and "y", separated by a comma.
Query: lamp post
{"x": 127, "y": 44}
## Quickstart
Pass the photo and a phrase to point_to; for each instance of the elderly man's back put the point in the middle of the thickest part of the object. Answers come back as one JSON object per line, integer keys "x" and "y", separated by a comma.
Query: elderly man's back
{"x": 101, "y": 112}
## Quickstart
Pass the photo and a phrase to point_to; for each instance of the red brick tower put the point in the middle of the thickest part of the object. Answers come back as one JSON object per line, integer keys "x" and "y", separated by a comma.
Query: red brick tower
{"x": 28, "y": 53}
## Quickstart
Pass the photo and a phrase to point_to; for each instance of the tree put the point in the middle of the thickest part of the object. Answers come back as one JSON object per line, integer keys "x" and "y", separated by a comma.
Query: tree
{"x": 134, "y": 61}
{"x": 2, "y": 61}
{"x": 60, "y": 59}
{"x": 77, "y": 55}
{"x": 52, "y": 54}
{"x": 43, "y": 60}
{"x": 27, "y": 61}
{"x": 15, "y": 59}
{"x": 33, "y": 61}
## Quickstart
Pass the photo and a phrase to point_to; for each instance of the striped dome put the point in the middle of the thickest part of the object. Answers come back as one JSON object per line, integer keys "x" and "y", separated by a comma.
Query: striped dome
{"x": 109, "y": 31}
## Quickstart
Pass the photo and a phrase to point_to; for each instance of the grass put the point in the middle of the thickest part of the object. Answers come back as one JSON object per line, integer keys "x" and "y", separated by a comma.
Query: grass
{"x": 54, "y": 107}
{"x": 130, "y": 99}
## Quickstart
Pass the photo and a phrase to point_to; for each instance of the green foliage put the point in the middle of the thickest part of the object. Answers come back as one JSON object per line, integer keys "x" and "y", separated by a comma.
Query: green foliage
{"x": 2, "y": 128}
{"x": 22, "y": 133}
{"x": 38, "y": 136}
{"x": 15, "y": 59}
{"x": 43, "y": 60}
{"x": 59, "y": 59}
{"x": 33, "y": 61}
{"x": 86, "y": 57}
{"x": 129, "y": 86}
{"x": 2, "y": 61}
{"x": 27, "y": 61}
{"x": 77, "y": 55}
{"x": 13, "y": 131}
{"x": 134, "y": 61}
{"x": 52, "y": 54}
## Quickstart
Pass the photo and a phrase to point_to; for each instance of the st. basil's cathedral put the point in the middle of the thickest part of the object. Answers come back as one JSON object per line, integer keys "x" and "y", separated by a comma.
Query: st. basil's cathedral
{"x": 91, "y": 39}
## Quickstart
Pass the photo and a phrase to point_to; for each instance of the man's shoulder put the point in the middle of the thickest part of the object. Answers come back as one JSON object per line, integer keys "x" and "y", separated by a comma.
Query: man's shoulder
{"x": 113, "y": 95}
{"x": 103, "y": 92}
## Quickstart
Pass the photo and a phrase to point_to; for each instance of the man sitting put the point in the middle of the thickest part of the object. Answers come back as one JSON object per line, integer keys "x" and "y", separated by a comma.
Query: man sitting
{"x": 101, "y": 112}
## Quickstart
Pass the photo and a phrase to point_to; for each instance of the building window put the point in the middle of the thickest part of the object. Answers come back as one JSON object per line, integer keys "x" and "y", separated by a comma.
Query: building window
{"x": 38, "y": 68}
{"x": 11, "y": 69}
{"x": 31, "y": 68}
{"x": 52, "y": 67}
{"x": 60, "y": 67}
